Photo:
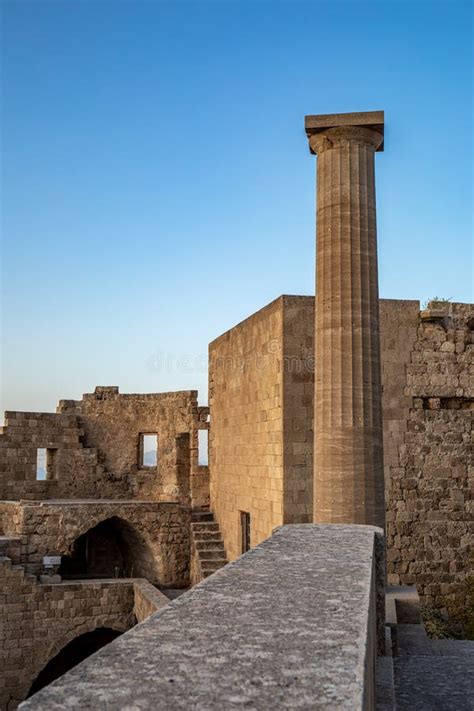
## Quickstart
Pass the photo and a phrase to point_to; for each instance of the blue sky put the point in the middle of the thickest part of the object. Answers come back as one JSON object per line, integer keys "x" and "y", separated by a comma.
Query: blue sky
{"x": 157, "y": 185}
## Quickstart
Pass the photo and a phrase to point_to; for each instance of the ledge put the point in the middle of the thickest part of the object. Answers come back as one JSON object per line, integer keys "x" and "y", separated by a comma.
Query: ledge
{"x": 291, "y": 624}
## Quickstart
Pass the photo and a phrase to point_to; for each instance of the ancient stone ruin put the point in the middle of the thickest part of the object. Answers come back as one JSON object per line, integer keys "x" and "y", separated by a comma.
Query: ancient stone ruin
{"x": 345, "y": 410}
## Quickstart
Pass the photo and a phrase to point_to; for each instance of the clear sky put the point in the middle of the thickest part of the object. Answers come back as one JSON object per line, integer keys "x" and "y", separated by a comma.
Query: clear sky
{"x": 157, "y": 185}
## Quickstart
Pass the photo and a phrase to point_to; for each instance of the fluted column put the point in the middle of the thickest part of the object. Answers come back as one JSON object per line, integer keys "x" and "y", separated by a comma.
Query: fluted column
{"x": 348, "y": 446}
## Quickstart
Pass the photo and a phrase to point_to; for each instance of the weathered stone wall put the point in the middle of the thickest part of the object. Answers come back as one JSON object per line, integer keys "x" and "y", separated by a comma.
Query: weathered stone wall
{"x": 298, "y": 412}
{"x": 75, "y": 468}
{"x": 96, "y": 444}
{"x": 147, "y": 600}
{"x": 398, "y": 330}
{"x": 37, "y": 621}
{"x": 430, "y": 515}
{"x": 246, "y": 435}
{"x": 157, "y": 533}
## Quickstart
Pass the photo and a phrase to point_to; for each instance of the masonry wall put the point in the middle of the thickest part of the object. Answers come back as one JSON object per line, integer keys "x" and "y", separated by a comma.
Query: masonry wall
{"x": 39, "y": 620}
{"x": 398, "y": 331}
{"x": 261, "y": 376}
{"x": 157, "y": 533}
{"x": 96, "y": 446}
{"x": 246, "y": 435}
{"x": 75, "y": 468}
{"x": 430, "y": 516}
{"x": 298, "y": 411}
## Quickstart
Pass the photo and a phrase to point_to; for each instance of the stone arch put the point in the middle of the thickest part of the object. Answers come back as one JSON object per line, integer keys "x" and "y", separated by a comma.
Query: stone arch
{"x": 117, "y": 625}
{"x": 111, "y": 547}
{"x": 72, "y": 649}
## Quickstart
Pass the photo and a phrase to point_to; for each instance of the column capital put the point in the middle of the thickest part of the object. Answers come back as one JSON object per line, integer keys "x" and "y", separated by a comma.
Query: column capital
{"x": 326, "y": 130}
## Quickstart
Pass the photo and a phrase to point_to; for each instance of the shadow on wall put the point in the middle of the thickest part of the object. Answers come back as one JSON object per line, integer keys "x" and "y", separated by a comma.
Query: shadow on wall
{"x": 70, "y": 655}
{"x": 111, "y": 549}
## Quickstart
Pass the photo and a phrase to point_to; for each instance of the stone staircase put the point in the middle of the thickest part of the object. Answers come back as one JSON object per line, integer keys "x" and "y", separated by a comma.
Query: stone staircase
{"x": 207, "y": 547}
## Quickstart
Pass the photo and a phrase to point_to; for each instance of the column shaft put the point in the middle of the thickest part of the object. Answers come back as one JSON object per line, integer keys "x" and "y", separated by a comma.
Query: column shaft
{"x": 348, "y": 452}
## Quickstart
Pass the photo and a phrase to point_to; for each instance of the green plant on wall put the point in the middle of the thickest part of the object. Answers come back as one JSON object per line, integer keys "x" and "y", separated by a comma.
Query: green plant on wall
{"x": 458, "y": 620}
{"x": 436, "y": 302}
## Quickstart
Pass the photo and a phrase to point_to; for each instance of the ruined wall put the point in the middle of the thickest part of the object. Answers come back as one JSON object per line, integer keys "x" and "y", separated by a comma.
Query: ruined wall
{"x": 75, "y": 468}
{"x": 96, "y": 448}
{"x": 157, "y": 533}
{"x": 429, "y": 519}
{"x": 112, "y": 423}
{"x": 246, "y": 435}
{"x": 37, "y": 621}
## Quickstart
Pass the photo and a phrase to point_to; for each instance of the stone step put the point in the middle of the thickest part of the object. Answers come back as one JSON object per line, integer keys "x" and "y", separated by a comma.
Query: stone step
{"x": 207, "y": 536}
{"x": 209, "y": 570}
{"x": 212, "y": 544}
{"x": 212, "y": 557}
{"x": 213, "y": 563}
{"x": 199, "y": 516}
{"x": 205, "y": 526}
{"x": 402, "y": 605}
{"x": 208, "y": 543}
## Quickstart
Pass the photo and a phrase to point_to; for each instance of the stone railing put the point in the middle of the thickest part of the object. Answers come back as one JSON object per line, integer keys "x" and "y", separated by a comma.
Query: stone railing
{"x": 146, "y": 599}
{"x": 291, "y": 624}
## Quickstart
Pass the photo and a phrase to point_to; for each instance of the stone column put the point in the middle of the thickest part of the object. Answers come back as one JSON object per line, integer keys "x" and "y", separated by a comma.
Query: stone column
{"x": 348, "y": 445}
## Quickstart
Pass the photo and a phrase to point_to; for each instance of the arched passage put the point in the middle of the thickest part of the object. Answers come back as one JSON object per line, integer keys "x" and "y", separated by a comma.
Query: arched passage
{"x": 111, "y": 549}
{"x": 76, "y": 651}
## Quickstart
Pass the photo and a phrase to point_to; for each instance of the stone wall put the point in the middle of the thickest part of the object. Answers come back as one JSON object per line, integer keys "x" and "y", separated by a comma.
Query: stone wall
{"x": 157, "y": 533}
{"x": 398, "y": 330}
{"x": 430, "y": 515}
{"x": 261, "y": 380}
{"x": 96, "y": 448}
{"x": 298, "y": 399}
{"x": 427, "y": 379}
{"x": 246, "y": 435}
{"x": 75, "y": 468}
{"x": 37, "y": 621}
{"x": 147, "y": 600}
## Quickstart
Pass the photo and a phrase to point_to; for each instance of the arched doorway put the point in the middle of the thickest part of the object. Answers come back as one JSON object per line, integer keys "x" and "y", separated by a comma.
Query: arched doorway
{"x": 73, "y": 653}
{"x": 111, "y": 549}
